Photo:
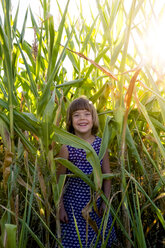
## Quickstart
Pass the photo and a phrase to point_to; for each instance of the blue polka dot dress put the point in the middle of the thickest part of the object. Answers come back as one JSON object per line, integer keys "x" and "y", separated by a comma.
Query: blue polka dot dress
{"x": 75, "y": 198}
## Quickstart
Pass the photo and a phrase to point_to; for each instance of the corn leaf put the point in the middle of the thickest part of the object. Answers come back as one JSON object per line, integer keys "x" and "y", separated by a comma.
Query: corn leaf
{"x": 67, "y": 139}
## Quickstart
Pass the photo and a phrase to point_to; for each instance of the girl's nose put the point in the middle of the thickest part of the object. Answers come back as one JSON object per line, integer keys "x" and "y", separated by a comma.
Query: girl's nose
{"x": 81, "y": 116}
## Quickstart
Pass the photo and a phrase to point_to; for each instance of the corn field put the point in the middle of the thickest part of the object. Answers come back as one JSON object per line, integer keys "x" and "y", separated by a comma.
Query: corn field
{"x": 103, "y": 60}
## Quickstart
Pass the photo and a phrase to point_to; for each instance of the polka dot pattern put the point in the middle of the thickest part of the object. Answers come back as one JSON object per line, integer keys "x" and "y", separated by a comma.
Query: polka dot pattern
{"x": 76, "y": 197}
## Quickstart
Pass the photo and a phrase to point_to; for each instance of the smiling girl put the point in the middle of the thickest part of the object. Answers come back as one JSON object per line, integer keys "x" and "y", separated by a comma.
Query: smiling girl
{"x": 82, "y": 120}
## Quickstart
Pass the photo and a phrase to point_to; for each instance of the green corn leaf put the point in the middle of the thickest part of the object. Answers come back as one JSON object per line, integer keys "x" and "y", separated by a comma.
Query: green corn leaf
{"x": 32, "y": 82}
{"x": 114, "y": 12}
{"x": 141, "y": 236}
{"x": 28, "y": 51}
{"x": 68, "y": 138}
{"x": 126, "y": 43}
{"x": 46, "y": 9}
{"x": 87, "y": 39}
{"x": 157, "y": 124}
{"x": 4, "y": 133}
{"x": 157, "y": 210}
{"x": 34, "y": 236}
{"x": 102, "y": 16}
{"x": 7, "y": 59}
{"x": 77, "y": 230}
{"x": 156, "y": 90}
{"x": 97, "y": 59}
{"x": 39, "y": 56}
{"x": 58, "y": 188}
{"x": 34, "y": 24}
{"x": 15, "y": 58}
{"x": 105, "y": 138}
{"x": 157, "y": 139}
{"x": 71, "y": 83}
{"x": 71, "y": 56}
{"x": 76, "y": 171}
{"x": 51, "y": 43}
{"x": 15, "y": 19}
{"x": 27, "y": 121}
{"x": 96, "y": 96}
{"x": 131, "y": 144}
{"x": 47, "y": 121}
{"x": 4, "y": 104}
{"x": 7, "y": 24}
{"x": 46, "y": 94}
{"x": 117, "y": 51}
{"x": 23, "y": 28}
{"x": 55, "y": 51}
{"x": 152, "y": 161}
{"x": 159, "y": 186}
{"x": 11, "y": 235}
{"x": 24, "y": 140}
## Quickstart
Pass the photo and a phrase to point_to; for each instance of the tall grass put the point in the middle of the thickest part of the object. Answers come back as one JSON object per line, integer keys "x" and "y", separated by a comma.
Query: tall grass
{"x": 34, "y": 95}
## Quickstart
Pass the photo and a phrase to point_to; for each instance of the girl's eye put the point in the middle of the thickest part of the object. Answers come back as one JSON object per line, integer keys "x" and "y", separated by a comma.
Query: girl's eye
{"x": 75, "y": 115}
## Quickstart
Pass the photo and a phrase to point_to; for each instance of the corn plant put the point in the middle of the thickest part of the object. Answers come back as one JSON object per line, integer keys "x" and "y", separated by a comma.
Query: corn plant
{"x": 34, "y": 95}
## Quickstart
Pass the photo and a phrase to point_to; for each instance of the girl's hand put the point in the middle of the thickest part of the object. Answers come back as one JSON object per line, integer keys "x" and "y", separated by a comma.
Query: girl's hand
{"x": 102, "y": 208}
{"x": 63, "y": 215}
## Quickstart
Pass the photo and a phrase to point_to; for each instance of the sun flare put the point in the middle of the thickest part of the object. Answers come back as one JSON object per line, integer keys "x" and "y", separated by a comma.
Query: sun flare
{"x": 154, "y": 45}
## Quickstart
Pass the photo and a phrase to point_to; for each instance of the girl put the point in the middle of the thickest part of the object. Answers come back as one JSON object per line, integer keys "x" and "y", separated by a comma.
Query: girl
{"x": 82, "y": 120}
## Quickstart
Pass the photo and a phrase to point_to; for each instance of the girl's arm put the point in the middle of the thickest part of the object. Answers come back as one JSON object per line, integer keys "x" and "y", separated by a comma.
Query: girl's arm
{"x": 106, "y": 182}
{"x": 62, "y": 154}
{"x": 62, "y": 170}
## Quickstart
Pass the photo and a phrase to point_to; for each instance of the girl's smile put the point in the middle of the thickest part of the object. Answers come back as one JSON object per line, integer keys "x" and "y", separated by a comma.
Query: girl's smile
{"x": 82, "y": 122}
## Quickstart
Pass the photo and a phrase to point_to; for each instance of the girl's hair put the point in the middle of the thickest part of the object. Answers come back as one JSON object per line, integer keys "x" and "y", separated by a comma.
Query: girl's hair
{"x": 82, "y": 103}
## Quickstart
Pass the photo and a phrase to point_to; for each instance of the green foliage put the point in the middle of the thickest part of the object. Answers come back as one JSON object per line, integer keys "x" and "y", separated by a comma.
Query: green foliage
{"x": 36, "y": 88}
{"x": 11, "y": 235}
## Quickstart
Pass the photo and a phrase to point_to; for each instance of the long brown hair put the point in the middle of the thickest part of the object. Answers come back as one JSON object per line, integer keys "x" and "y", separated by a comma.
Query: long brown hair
{"x": 82, "y": 103}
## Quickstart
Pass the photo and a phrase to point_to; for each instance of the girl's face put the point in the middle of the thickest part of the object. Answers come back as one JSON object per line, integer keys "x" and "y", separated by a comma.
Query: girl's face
{"x": 82, "y": 122}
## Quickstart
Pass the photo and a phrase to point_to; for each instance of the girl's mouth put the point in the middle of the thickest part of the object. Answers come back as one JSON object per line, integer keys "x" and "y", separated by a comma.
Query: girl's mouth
{"x": 83, "y": 124}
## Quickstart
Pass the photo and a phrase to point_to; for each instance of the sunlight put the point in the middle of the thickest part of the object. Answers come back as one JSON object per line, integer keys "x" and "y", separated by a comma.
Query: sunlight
{"x": 154, "y": 45}
{"x": 151, "y": 45}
